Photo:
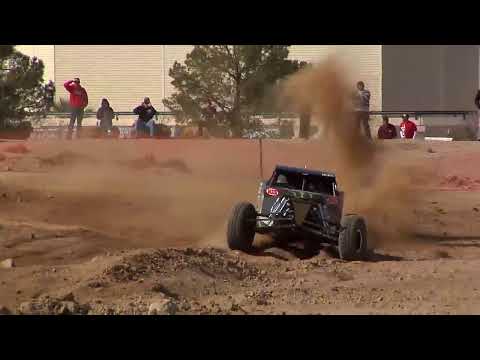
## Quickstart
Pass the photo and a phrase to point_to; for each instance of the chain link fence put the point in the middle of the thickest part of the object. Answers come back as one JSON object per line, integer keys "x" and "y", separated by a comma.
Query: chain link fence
{"x": 55, "y": 126}
{"x": 459, "y": 125}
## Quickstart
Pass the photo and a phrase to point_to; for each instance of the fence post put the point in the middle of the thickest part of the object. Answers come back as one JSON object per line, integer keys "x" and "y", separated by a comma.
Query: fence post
{"x": 261, "y": 158}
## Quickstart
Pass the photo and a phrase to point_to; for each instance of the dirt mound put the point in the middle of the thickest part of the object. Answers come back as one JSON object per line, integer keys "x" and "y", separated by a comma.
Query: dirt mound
{"x": 214, "y": 281}
{"x": 16, "y": 149}
{"x": 149, "y": 161}
{"x": 454, "y": 182}
{"x": 66, "y": 158}
{"x": 168, "y": 281}
{"x": 46, "y": 305}
{"x": 175, "y": 164}
{"x": 145, "y": 162}
{"x": 210, "y": 261}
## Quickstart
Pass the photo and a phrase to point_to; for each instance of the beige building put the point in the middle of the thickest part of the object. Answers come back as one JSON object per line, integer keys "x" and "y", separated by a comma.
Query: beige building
{"x": 125, "y": 74}
{"x": 45, "y": 53}
{"x": 408, "y": 77}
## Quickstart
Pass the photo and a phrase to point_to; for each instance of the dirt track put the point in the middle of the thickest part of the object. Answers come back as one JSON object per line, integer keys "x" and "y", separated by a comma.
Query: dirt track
{"x": 121, "y": 225}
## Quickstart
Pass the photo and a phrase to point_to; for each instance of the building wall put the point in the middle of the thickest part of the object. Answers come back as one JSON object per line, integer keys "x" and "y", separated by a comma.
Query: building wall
{"x": 399, "y": 76}
{"x": 124, "y": 74}
{"x": 430, "y": 77}
{"x": 361, "y": 62}
{"x": 365, "y": 64}
{"x": 460, "y": 79}
{"x": 44, "y": 53}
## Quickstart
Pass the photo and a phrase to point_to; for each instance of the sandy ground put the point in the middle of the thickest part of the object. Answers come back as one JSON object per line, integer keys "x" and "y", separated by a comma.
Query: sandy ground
{"x": 132, "y": 227}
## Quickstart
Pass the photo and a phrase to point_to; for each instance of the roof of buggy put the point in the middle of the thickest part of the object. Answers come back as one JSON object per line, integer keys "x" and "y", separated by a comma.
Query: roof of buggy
{"x": 303, "y": 171}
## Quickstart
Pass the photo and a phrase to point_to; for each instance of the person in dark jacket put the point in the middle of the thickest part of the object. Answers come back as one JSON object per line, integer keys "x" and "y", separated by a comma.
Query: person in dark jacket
{"x": 387, "y": 131}
{"x": 105, "y": 114}
{"x": 78, "y": 102}
{"x": 49, "y": 95}
{"x": 146, "y": 121}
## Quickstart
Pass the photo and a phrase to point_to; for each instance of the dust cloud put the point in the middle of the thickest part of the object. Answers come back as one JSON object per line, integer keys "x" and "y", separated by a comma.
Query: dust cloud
{"x": 174, "y": 193}
{"x": 145, "y": 193}
{"x": 377, "y": 184}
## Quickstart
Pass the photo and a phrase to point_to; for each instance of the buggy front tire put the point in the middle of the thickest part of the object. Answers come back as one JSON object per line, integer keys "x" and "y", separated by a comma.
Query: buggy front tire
{"x": 352, "y": 241}
{"x": 241, "y": 227}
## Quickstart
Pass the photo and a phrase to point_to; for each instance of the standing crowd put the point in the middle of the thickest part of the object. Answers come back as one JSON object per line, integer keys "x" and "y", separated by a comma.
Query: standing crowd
{"x": 387, "y": 131}
{"x": 145, "y": 123}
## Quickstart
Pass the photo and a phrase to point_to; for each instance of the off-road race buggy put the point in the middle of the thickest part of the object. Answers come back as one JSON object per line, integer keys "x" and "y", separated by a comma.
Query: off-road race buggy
{"x": 299, "y": 204}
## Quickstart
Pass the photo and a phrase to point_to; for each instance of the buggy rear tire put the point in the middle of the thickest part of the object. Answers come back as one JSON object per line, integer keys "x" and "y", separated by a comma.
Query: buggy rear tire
{"x": 352, "y": 241}
{"x": 241, "y": 227}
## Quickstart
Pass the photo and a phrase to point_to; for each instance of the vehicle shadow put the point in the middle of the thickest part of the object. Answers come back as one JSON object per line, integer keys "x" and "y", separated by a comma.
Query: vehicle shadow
{"x": 279, "y": 252}
{"x": 373, "y": 256}
{"x": 289, "y": 252}
{"x": 450, "y": 240}
{"x": 440, "y": 238}
{"x": 453, "y": 245}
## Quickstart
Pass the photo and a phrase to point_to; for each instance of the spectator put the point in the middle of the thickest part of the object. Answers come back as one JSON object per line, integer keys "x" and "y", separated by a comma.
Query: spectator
{"x": 49, "y": 95}
{"x": 146, "y": 113}
{"x": 78, "y": 102}
{"x": 305, "y": 123}
{"x": 209, "y": 121}
{"x": 387, "y": 131}
{"x": 211, "y": 111}
{"x": 286, "y": 130}
{"x": 105, "y": 114}
{"x": 362, "y": 107}
{"x": 477, "y": 103}
{"x": 408, "y": 129}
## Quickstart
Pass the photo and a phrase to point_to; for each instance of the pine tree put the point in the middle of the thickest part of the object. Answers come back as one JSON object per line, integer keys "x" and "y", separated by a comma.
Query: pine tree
{"x": 21, "y": 90}
{"x": 235, "y": 78}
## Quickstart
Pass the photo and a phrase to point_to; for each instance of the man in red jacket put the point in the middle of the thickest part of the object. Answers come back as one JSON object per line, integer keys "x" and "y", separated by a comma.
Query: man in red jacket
{"x": 78, "y": 102}
{"x": 408, "y": 129}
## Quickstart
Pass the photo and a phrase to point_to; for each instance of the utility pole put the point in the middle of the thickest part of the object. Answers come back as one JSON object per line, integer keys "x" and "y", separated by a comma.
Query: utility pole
{"x": 164, "y": 76}
{"x": 261, "y": 157}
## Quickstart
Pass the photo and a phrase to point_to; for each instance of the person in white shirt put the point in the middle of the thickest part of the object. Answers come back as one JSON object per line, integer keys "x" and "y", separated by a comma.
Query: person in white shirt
{"x": 362, "y": 108}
